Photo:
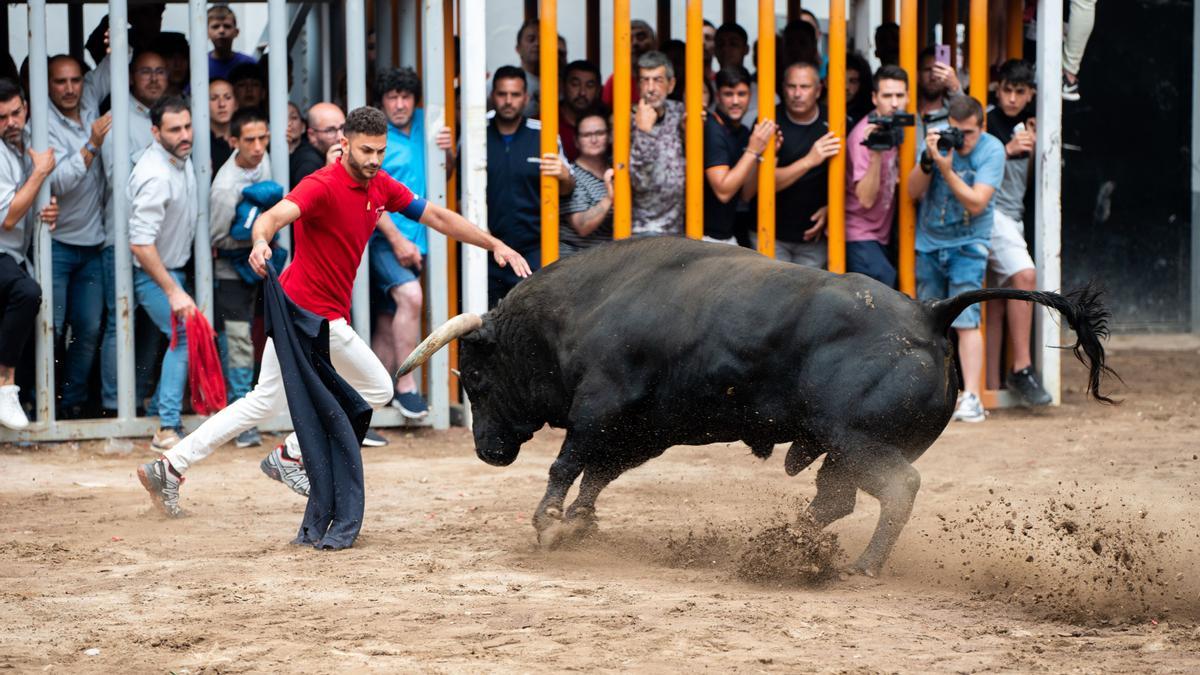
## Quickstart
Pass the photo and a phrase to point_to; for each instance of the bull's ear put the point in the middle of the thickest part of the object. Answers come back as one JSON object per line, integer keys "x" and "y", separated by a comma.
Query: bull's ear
{"x": 481, "y": 338}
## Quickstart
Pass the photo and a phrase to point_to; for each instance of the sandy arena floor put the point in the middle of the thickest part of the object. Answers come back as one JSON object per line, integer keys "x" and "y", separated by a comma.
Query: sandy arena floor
{"x": 1059, "y": 540}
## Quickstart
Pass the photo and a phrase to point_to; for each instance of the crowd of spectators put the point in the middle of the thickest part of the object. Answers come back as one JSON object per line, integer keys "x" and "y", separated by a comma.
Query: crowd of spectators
{"x": 971, "y": 193}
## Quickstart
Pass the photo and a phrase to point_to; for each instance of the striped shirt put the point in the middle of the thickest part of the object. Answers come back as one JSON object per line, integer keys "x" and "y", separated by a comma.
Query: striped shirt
{"x": 589, "y": 190}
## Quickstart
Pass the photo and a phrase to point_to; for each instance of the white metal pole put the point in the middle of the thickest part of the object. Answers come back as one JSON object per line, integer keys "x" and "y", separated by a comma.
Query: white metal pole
{"x": 406, "y": 19}
{"x": 356, "y": 97}
{"x": 201, "y": 152}
{"x": 324, "y": 44}
{"x": 1048, "y": 219}
{"x": 118, "y": 36}
{"x": 473, "y": 47}
{"x": 383, "y": 36}
{"x": 39, "y": 118}
{"x": 277, "y": 28}
{"x": 434, "y": 96}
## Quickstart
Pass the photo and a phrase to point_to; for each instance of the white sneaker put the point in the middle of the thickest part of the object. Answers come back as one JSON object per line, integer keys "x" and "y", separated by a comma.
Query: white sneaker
{"x": 12, "y": 415}
{"x": 970, "y": 409}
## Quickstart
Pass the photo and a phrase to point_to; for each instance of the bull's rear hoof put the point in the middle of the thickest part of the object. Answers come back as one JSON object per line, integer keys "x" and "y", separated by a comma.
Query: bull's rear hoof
{"x": 555, "y": 533}
{"x": 546, "y": 523}
{"x": 859, "y": 569}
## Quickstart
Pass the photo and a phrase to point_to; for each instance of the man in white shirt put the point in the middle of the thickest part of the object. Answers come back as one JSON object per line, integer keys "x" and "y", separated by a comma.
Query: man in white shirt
{"x": 162, "y": 224}
{"x": 235, "y": 297}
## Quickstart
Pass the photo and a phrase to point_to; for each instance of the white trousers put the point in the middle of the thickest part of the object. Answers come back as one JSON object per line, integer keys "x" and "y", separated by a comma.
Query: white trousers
{"x": 1079, "y": 29}
{"x": 352, "y": 359}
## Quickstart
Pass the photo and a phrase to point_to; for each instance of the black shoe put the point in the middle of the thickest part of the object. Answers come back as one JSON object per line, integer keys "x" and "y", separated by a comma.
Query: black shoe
{"x": 374, "y": 439}
{"x": 1025, "y": 383}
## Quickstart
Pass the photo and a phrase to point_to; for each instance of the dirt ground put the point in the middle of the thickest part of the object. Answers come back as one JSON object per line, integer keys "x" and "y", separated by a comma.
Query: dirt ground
{"x": 1059, "y": 540}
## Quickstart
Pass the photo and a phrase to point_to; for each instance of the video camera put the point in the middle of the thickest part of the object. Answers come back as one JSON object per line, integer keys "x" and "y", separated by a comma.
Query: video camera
{"x": 889, "y": 130}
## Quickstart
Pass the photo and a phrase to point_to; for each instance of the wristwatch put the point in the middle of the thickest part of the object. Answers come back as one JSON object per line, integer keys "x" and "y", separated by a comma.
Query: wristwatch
{"x": 92, "y": 149}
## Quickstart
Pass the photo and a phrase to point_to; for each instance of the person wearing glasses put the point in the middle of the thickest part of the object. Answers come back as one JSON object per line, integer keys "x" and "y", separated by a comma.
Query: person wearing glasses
{"x": 326, "y": 121}
{"x": 587, "y": 216}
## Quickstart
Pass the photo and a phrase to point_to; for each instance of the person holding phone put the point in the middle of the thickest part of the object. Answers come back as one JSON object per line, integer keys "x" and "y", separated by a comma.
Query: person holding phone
{"x": 937, "y": 83}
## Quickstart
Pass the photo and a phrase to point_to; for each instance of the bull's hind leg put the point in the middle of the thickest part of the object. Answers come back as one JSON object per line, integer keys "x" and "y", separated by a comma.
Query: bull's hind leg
{"x": 889, "y": 477}
{"x": 547, "y": 519}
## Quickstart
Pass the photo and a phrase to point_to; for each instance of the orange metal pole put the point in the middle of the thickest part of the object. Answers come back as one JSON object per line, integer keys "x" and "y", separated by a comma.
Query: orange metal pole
{"x": 836, "y": 223}
{"x": 695, "y": 129}
{"x": 622, "y": 119}
{"x": 978, "y": 61}
{"x": 451, "y": 71}
{"x": 950, "y": 29}
{"x": 889, "y": 11}
{"x": 548, "y": 55}
{"x": 766, "y": 93}
{"x": 1016, "y": 29}
{"x": 908, "y": 152}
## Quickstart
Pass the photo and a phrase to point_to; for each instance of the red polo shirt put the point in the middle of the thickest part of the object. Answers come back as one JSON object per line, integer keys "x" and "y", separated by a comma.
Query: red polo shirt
{"x": 337, "y": 216}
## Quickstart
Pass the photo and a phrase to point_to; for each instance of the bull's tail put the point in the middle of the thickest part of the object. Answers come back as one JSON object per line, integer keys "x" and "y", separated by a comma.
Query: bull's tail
{"x": 1082, "y": 309}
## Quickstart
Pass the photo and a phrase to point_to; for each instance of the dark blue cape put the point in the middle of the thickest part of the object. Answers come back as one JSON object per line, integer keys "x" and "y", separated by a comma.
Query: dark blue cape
{"x": 329, "y": 416}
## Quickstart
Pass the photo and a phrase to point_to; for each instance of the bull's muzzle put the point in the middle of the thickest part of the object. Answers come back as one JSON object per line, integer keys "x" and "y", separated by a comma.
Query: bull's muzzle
{"x": 497, "y": 456}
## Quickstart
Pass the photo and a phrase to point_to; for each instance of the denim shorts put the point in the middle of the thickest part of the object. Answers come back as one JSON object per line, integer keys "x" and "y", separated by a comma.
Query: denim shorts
{"x": 946, "y": 272}
{"x": 387, "y": 273}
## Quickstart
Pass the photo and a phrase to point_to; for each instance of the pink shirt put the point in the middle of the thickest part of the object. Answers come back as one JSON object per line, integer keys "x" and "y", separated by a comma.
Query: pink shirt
{"x": 875, "y": 223}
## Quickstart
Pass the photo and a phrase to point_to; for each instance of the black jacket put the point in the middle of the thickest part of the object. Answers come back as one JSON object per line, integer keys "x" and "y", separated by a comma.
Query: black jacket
{"x": 329, "y": 416}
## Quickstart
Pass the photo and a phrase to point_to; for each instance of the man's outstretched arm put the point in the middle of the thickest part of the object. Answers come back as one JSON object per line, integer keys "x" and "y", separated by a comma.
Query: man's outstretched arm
{"x": 455, "y": 226}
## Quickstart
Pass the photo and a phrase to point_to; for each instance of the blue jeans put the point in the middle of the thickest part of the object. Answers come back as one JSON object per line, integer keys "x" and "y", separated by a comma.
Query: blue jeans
{"x": 946, "y": 272}
{"x": 78, "y": 273}
{"x": 173, "y": 379}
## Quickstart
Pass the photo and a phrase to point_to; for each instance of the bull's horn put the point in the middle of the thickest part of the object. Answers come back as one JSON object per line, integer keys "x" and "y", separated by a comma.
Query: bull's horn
{"x": 454, "y": 328}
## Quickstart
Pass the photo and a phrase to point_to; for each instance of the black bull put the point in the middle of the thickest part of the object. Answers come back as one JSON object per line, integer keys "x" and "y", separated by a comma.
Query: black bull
{"x": 638, "y": 346}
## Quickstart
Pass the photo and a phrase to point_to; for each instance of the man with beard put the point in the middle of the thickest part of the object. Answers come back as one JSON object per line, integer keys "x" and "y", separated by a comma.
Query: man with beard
{"x": 324, "y": 146}
{"x": 162, "y": 223}
{"x": 515, "y": 167}
{"x": 656, "y": 158}
{"x": 335, "y": 210}
{"x": 731, "y": 155}
{"x": 937, "y": 83}
{"x": 581, "y": 92}
{"x": 397, "y": 254}
{"x": 22, "y": 172}
{"x": 76, "y": 135}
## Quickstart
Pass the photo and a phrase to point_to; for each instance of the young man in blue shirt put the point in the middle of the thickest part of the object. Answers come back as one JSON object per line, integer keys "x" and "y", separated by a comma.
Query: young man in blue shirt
{"x": 397, "y": 255}
{"x": 954, "y": 230}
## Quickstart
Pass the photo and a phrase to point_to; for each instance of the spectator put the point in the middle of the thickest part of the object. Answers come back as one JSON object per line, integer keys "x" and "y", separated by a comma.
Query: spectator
{"x": 530, "y": 57}
{"x": 656, "y": 159}
{"x": 1013, "y": 125}
{"x": 173, "y": 47}
{"x": 236, "y": 293}
{"x": 587, "y": 213}
{"x": 641, "y": 41}
{"x": 296, "y": 128}
{"x": 581, "y": 92}
{"x": 148, "y": 83}
{"x": 145, "y": 24}
{"x": 676, "y": 52}
{"x": 954, "y": 228}
{"x": 1079, "y": 29}
{"x": 221, "y": 106}
{"x": 249, "y": 85}
{"x": 731, "y": 155}
{"x": 801, "y": 175}
{"x": 858, "y": 93}
{"x": 162, "y": 223}
{"x": 324, "y": 141}
{"x": 264, "y": 67}
{"x": 78, "y": 185}
{"x": 887, "y": 44}
{"x": 22, "y": 172}
{"x": 397, "y": 254}
{"x": 515, "y": 166}
{"x": 222, "y": 30}
{"x": 871, "y": 183}
{"x": 801, "y": 42}
{"x": 936, "y": 84}
{"x": 732, "y": 46}
{"x": 710, "y": 48}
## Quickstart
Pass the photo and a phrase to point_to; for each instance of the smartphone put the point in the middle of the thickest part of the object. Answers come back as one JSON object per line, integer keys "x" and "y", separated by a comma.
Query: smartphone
{"x": 941, "y": 54}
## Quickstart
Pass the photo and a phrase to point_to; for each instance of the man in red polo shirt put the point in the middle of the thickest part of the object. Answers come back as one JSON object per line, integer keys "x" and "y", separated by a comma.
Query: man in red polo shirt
{"x": 334, "y": 209}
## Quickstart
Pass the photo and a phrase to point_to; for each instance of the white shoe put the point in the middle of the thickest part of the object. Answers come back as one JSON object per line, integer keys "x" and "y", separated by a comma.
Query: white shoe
{"x": 970, "y": 409}
{"x": 12, "y": 415}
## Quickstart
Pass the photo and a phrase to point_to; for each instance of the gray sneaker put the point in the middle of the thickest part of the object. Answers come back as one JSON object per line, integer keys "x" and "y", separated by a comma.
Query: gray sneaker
{"x": 161, "y": 481}
{"x": 286, "y": 470}
{"x": 249, "y": 438}
{"x": 1025, "y": 383}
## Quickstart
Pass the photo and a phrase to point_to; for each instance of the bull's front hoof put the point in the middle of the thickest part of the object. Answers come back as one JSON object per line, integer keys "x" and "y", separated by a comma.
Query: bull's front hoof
{"x": 549, "y": 527}
{"x": 860, "y": 568}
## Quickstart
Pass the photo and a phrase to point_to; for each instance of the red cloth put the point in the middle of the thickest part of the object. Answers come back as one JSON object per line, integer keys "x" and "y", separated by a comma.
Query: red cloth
{"x": 337, "y": 217}
{"x": 205, "y": 378}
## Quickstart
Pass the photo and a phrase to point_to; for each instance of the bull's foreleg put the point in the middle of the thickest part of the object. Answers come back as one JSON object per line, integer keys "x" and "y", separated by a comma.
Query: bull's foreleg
{"x": 889, "y": 477}
{"x": 836, "y": 492}
{"x": 547, "y": 519}
{"x": 582, "y": 514}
